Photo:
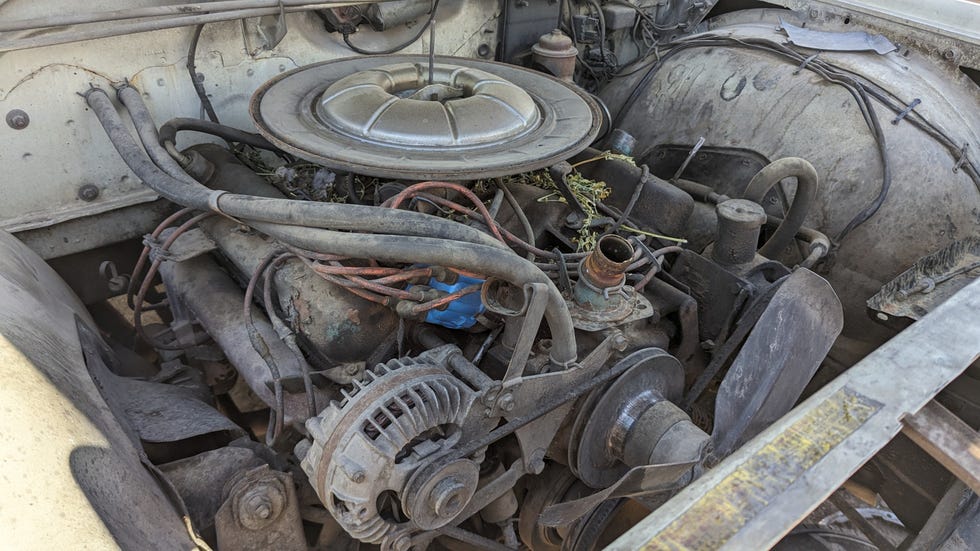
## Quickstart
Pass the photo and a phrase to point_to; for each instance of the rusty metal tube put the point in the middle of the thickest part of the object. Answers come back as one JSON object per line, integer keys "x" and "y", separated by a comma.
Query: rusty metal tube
{"x": 602, "y": 271}
{"x": 606, "y": 265}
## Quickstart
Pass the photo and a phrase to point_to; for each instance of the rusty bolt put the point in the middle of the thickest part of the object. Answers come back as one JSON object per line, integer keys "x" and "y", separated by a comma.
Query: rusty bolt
{"x": 88, "y": 192}
{"x": 263, "y": 510}
{"x": 402, "y": 543}
{"x": 258, "y": 504}
{"x": 620, "y": 342}
{"x": 17, "y": 119}
{"x": 506, "y": 402}
{"x": 536, "y": 461}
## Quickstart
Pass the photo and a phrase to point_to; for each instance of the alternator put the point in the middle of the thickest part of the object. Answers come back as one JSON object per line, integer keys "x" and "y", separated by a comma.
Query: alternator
{"x": 366, "y": 449}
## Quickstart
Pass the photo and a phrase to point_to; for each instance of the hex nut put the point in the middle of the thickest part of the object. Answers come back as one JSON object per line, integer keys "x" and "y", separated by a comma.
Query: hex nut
{"x": 260, "y": 504}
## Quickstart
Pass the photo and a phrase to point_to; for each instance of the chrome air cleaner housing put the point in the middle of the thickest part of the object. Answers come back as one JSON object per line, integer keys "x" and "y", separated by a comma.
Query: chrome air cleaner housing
{"x": 382, "y": 116}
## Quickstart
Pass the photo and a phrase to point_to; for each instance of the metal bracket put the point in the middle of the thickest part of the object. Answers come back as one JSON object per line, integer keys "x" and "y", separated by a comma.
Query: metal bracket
{"x": 191, "y": 244}
{"x": 272, "y": 32}
{"x": 529, "y": 329}
{"x": 854, "y": 41}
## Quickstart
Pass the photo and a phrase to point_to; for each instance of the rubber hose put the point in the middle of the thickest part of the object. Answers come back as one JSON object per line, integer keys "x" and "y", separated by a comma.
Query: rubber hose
{"x": 169, "y": 130}
{"x": 177, "y": 191}
{"x": 806, "y": 192}
{"x": 146, "y": 129}
{"x": 279, "y": 211}
{"x": 503, "y": 264}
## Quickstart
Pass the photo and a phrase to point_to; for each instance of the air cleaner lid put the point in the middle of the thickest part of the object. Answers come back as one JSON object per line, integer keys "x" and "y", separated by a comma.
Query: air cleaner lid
{"x": 395, "y": 104}
{"x": 381, "y": 116}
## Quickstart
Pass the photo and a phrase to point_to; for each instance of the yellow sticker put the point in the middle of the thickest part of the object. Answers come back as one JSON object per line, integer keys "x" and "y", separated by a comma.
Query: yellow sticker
{"x": 723, "y": 510}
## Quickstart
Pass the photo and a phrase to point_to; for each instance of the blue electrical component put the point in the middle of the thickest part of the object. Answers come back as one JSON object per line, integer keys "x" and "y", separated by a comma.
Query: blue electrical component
{"x": 460, "y": 313}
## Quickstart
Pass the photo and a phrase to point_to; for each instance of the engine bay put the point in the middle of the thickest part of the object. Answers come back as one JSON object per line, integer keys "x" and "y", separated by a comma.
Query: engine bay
{"x": 429, "y": 301}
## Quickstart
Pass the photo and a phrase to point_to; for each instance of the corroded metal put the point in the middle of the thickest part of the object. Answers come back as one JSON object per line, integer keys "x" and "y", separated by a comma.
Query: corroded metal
{"x": 556, "y": 52}
{"x": 930, "y": 281}
{"x": 606, "y": 265}
{"x": 260, "y": 511}
{"x": 602, "y": 298}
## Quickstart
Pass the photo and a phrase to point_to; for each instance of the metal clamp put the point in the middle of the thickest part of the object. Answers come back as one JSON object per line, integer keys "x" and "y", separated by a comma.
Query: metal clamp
{"x": 213, "y": 201}
{"x": 904, "y": 112}
{"x": 806, "y": 61}
{"x": 962, "y": 160}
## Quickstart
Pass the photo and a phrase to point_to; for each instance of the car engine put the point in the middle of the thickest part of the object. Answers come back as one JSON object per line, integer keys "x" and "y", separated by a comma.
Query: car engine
{"x": 435, "y": 301}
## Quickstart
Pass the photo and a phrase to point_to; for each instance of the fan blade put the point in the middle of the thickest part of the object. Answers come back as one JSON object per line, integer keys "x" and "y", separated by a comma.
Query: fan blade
{"x": 778, "y": 359}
